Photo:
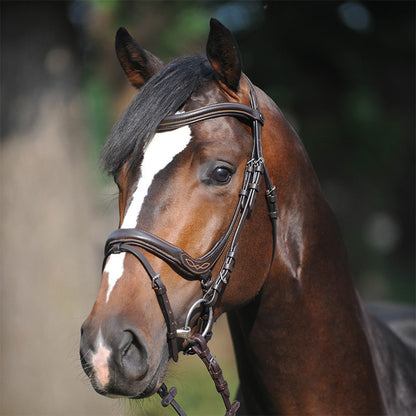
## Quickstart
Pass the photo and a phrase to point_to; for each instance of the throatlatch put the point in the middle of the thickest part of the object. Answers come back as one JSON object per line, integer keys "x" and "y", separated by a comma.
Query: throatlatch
{"x": 129, "y": 240}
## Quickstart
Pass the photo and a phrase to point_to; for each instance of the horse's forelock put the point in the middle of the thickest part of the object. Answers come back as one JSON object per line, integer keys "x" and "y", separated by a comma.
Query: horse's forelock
{"x": 163, "y": 94}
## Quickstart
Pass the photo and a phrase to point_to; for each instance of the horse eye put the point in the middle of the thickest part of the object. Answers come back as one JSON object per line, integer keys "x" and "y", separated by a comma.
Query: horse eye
{"x": 221, "y": 175}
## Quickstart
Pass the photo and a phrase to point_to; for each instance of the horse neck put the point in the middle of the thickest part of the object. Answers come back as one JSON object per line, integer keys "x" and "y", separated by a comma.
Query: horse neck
{"x": 299, "y": 340}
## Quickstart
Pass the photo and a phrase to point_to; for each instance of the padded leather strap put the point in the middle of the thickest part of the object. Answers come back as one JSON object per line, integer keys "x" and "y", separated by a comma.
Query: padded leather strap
{"x": 180, "y": 261}
{"x": 210, "y": 111}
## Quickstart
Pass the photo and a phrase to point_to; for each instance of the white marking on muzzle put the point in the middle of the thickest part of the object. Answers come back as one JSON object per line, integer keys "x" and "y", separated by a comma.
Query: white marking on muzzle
{"x": 100, "y": 361}
{"x": 157, "y": 155}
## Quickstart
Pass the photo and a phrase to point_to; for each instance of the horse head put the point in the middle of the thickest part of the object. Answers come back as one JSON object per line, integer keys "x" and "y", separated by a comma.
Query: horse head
{"x": 180, "y": 200}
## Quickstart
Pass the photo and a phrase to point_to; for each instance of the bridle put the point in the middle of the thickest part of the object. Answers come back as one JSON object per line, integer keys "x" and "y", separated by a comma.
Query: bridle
{"x": 130, "y": 240}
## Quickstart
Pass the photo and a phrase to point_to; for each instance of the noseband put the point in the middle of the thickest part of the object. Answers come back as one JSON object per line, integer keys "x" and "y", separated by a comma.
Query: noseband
{"x": 131, "y": 240}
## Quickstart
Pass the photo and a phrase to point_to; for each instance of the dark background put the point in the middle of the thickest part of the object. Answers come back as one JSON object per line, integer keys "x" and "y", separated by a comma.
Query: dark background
{"x": 343, "y": 72}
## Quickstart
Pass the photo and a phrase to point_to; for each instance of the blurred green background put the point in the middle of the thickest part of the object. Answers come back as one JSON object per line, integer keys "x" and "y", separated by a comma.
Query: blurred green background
{"x": 343, "y": 72}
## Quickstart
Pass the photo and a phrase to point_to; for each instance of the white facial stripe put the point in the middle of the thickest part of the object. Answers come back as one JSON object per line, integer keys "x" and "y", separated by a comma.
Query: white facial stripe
{"x": 158, "y": 154}
{"x": 115, "y": 269}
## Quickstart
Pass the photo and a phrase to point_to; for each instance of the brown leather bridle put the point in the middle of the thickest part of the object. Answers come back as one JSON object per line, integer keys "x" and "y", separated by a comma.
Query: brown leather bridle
{"x": 130, "y": 240}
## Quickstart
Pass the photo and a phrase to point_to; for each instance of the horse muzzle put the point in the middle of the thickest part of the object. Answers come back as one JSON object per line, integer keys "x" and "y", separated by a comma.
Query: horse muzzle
{"x": 116, "y": 358}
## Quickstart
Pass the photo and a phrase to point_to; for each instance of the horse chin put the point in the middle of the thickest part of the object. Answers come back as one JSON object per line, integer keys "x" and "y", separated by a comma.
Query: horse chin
{"x": 155, "y": 383}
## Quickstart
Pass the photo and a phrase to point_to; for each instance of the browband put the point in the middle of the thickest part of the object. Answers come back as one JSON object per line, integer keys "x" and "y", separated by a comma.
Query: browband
{"x": 175, "y": 121}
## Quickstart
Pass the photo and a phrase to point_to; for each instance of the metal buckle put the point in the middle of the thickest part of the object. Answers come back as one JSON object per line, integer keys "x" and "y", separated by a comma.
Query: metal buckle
{"x": 270, "y": 191}
{"x": 154, "y": 281}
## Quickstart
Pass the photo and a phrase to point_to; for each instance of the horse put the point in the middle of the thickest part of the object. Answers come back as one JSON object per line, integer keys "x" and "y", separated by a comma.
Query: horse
{"x": 194, "y": 148}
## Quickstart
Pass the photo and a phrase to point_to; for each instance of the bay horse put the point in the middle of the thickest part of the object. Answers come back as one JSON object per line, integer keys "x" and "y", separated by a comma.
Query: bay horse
{"x": 191, "y": 152}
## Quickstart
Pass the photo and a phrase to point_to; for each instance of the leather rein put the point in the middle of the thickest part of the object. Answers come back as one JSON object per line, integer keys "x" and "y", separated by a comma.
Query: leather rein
{"x": 131, "y": 240}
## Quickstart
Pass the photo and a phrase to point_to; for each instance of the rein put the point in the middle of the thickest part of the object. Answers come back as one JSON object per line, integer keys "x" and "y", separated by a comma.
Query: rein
{"x": 129, "y": 240}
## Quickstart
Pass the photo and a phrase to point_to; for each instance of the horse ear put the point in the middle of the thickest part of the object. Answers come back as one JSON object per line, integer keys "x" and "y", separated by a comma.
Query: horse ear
{"x": 138, "y": 64}
{"x": 224, "y": 55}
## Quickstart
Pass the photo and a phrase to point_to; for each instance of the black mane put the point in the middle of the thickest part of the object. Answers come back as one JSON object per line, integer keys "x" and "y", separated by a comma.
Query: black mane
{"x": 164, "y": 94}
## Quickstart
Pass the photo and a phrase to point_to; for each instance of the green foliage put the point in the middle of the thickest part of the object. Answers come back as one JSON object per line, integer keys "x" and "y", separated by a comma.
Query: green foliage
{"x": 107, "y": 6}
{"x": 186, "y": 31}
{"x": 98, "y": 102}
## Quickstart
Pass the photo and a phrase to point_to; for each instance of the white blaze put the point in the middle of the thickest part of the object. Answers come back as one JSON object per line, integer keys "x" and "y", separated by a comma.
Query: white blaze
{"x": 115, "y": 268}
{"x": 157, "y": 155}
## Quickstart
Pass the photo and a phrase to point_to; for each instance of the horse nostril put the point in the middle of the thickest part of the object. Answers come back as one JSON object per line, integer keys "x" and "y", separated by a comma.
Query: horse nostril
{"x": 133, "y": 355}
{"x": 126, "y": 341}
